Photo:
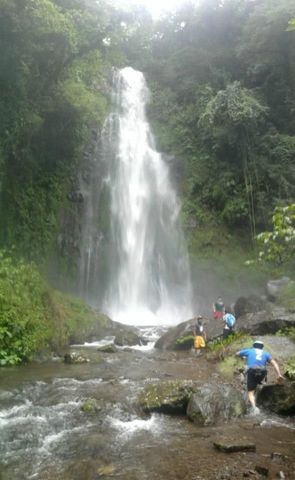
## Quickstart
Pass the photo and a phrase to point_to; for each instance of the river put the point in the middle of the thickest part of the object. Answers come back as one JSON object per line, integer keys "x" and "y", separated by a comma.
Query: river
{"x": 45, "y": 434}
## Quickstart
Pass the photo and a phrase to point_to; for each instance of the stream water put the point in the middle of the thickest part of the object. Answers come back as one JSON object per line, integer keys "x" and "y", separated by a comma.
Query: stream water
{"x": 45, "y": 434}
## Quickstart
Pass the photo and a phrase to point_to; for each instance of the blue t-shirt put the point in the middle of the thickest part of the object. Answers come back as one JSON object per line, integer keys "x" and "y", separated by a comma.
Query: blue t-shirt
{"x": 255, "y": 357}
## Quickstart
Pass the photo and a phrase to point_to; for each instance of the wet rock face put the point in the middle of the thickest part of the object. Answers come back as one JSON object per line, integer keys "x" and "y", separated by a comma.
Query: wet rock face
{"x": 250, "y": 304}
{"x": 210, "y": 404}
{"x": 166, "y": 397}
{"x": 278, "y": 398}
{"x": 169, "y": 339}
{"x": 203, "y": 404}
{"x": 266, "y": 321}
{"x": 128, "y": 337}
{"x": 181, "y": 336}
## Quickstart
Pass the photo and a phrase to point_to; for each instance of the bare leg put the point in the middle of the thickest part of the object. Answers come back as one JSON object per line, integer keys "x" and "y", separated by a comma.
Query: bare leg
{"x": 251, "y": 397}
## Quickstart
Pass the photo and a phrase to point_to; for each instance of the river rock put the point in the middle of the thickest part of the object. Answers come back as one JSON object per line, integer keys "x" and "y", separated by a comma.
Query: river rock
{"x": 128, "y": 337}
{"x": 169, "y": 341}
{"x": 75, "y": 358}
{"x": 251, "y": 304}
{"x": 278, "y": 398}
{"x": 166, "y": 397}
{"x": 229, "y": 445}
{"x": 211, "y": 403}
{"x": 266, "y": 321}
{"x": 274, "y": 287}
{"x": 109, "y": 348}
{"x": 181, "y": 336}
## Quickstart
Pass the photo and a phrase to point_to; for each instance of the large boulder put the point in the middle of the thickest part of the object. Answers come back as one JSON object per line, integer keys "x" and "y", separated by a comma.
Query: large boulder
{"x": 265, "y": 322}
{"x": 166, "y": 397}
{"x": 278, "y": 398}
{"x": 251, "y": 304}
{"x": 181, "y": 336}
{"x": 274, "y": 287}
{"x": 212, "y": 403}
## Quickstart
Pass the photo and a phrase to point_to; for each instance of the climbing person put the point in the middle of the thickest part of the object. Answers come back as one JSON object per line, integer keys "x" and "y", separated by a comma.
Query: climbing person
{"x": 229, "y": 321}
{"x": 256, "y": 372}
{"x": 218, "y": 309}
{"x": 199, "y": 335}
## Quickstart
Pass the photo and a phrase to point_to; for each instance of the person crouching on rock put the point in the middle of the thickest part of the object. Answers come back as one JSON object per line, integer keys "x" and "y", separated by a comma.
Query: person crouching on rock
{"x": 199, "y": 336}
{"x": 257, "y": 359}
{"x": 229, "y": 321}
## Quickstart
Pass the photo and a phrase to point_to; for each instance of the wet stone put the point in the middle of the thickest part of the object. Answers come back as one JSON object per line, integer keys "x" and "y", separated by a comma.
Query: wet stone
{"x": 230, "y": 446}
{"x": 107, "y": 348}
{"x": 262, "y": 470}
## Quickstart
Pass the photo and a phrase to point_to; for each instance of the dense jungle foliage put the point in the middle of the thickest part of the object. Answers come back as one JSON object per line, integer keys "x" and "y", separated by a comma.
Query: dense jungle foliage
{"x": 222, "y": 104}
{"x": 222, "y": 76}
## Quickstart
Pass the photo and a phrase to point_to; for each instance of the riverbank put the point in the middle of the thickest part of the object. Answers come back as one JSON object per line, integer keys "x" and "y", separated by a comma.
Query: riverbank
{"x": 47, "y": 435}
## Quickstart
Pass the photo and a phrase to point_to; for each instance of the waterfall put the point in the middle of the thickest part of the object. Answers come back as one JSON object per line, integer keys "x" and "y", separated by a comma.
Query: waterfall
{"x": 149, "y": 279}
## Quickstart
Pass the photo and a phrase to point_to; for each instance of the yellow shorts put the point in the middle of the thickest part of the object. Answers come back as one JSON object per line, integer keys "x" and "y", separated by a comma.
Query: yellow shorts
{"x": 199, "y": 342}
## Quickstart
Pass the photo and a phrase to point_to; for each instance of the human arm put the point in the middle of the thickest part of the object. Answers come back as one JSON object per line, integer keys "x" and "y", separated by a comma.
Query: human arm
{"x": 276, "y": 367}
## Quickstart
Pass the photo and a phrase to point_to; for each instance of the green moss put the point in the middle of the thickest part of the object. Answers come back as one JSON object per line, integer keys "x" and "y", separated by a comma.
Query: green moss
{"x": 70, "y": 318}
{"x": 90, "y": 406}
{"x": 185, "y": 342}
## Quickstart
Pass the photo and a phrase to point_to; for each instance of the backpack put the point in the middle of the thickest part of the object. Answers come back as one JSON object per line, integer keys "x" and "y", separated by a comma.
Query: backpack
{"x": 230, "y": 320}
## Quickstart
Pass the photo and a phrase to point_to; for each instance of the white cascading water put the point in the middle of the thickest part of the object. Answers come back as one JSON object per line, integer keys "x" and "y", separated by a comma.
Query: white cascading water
{"x": 149, "y": 269}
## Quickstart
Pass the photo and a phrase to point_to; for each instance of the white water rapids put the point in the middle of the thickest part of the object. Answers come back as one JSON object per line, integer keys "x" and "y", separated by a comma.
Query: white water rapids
{"x": 149, "y": 269}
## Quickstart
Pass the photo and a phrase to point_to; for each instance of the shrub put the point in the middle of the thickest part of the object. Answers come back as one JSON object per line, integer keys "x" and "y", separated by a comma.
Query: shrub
{"x": 23, "y": 325}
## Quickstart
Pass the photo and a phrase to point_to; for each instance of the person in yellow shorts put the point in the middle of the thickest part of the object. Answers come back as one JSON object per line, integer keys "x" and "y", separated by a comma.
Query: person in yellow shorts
{"x": 199, "y": 336}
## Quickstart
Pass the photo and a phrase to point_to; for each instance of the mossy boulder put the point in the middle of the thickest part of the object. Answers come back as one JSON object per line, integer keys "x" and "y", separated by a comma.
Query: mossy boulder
{"x": 166, "y": 397}
{"x": 90, "y": 406}
{"x": 109, "y": 348}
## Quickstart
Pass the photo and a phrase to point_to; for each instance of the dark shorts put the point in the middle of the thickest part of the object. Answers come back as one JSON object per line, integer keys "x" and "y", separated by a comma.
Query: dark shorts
{"x": 254, "y": 377}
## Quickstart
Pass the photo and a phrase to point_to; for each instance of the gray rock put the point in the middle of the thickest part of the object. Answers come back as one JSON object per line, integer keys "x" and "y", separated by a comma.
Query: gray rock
{"x": 75, "y": 358}
{"x": 251, "y": 304}
{"x": 274, "y": 287}
{"x": 265, "y": 322}
{"x": 181, "y": 336}
{"x": 211, "y": 403}
{"x": 228, "y": 445}
{"x": 110, "y": 348}
{"x": 278, "y": 398}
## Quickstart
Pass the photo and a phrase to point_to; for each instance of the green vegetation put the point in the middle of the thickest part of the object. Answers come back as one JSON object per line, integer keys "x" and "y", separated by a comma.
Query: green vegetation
{"x": 33, "y": 317}
{"x": 23, "y": 315}
{"x": 289, "y": 368}
{"x": 222, "y": 81}
{"x": 278, "y": 246}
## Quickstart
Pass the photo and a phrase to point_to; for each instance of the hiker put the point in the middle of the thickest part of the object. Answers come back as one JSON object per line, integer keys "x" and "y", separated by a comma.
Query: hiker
{"x": 257, "y": 359}
{"x": 228, "y": 324}
{"x": 218, "y": 309}
{"x": 199, "y": 335}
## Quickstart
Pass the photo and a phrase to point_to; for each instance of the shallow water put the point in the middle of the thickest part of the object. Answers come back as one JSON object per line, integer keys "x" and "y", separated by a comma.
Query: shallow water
{"x": 45, "y": 435}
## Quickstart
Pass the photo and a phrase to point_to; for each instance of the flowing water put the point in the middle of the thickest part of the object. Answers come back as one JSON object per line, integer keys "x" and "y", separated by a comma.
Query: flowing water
{"x": 148, "y": 269}
{"x": 45, "y": 435}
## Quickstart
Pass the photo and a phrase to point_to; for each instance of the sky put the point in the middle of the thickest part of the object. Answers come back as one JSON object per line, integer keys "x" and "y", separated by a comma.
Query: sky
{"x": 156, "y": 7}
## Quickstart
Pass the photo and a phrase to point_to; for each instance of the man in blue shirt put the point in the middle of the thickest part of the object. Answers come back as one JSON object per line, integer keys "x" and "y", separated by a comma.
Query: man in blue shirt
{"x": 257, "y": 359}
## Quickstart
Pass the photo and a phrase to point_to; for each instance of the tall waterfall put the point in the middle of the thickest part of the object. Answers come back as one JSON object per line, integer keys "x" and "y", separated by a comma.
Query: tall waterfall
{"x": 149, "y": 280}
